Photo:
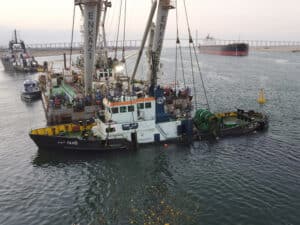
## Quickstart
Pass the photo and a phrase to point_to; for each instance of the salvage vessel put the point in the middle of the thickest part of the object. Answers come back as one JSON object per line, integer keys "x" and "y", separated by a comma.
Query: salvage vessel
{"x": 18, "y": 58}
{"x": 126, "y": 111}
{"x": 125, "y": 108}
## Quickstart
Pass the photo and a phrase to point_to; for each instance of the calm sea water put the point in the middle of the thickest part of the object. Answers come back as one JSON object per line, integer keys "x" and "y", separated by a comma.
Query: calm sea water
{"x": 248, "y": 180}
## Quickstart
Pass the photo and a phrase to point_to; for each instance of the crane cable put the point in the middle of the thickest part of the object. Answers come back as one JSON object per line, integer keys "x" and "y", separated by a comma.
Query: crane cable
{"x": 191, "y": 43}
{"x": 192, "y": 68}
{"x": 118, "y": 31}
{"x": 72, "y": 35}
{"x": 123, "y": 52}
{"x": 178, "y": 45}
{"x": 110, "y": 20}
{"x": 124, "y": 30}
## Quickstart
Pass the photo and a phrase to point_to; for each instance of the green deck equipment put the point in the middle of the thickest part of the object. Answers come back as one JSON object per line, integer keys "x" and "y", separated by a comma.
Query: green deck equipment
{"x": 206, "y": 121}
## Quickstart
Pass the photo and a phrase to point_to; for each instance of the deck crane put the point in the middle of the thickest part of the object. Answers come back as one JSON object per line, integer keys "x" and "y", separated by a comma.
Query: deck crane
{"x": 91, "y": 14}
{"x": 159, "y": 33}
{"x": 93, "y": 18}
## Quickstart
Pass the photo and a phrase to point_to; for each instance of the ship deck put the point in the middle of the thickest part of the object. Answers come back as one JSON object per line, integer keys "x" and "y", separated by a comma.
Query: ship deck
{"x": 67, "y": 89}
{"x": 79, "y": 134}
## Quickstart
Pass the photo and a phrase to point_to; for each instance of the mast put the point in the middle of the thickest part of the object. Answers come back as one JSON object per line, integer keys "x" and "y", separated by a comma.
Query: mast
{"x": 99, "y": 12}
{"x": 16, "y": 39}
{"x": 90, "y": 14}
{"x": 149, "y": 51}
{"x": 107, "y": 4}
{"x": 161, "y": 21}
{"x": 148, "y": 27}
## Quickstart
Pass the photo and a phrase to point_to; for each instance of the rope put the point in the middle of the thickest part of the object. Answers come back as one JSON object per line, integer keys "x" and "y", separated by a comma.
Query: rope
{"x": 118, "y": 31}
{"x": 110, "y": 21}
{"x": 182, "y": 66}
{"x": 191, "y": 44}
{"x": 178, "y": 46}
{"x": 72, "y": 35}
{"x": 176, "y": 68}
{"x": 201, "y": 76}
{"x": 193, "y": 75}
{"x": 176, "y": 51}
{"x": 124, "y": 31}
{"x": 191, "y": 56}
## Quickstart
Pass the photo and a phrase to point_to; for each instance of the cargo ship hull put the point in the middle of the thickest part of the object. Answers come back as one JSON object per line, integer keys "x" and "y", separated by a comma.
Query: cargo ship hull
{"x": 235, "y": 49}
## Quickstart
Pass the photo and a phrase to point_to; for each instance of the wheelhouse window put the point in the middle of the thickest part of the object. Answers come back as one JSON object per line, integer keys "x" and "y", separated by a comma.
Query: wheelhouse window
{"x": 110, "y": 129}
{"x": 115, "y": 110}
{"x": 148, "y": 105}
{"x": 141, "y": 106}
{"x": 131, "y": 108}
{"x": 123, "y": 109}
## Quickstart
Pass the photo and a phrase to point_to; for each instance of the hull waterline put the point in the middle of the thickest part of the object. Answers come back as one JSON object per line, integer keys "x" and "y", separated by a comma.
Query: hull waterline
{"x": 237, "y": 49}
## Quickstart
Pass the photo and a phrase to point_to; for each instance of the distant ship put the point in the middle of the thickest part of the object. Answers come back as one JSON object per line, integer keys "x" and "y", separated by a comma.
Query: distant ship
{"x": 209, "y": 46}
{"x": 18, "y": 59}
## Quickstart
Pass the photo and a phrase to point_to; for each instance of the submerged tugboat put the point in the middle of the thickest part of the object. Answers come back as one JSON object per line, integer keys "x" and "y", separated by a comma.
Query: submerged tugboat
{"x": 31, "y": 90}
{"x": 226, "y": 124}
{"x": 18, "y": 59}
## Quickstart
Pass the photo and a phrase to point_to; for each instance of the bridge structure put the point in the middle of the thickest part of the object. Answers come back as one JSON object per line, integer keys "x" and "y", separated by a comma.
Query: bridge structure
{"x": 128, "y": 44}
{"x": 135, "y": 44}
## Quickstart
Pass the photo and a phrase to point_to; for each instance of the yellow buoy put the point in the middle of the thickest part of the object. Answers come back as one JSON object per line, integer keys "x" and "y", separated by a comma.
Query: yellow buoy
{"x": 261, "y": 97}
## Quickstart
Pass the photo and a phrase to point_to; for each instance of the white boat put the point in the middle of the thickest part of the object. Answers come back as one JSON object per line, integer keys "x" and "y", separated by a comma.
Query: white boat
{"x": 148, "y": 119}
{"x": 31, "y": 90}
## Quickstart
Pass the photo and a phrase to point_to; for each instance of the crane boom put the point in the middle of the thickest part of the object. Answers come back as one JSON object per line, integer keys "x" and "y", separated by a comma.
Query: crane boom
{"x": 91, "y": 16}
{"x": 161, "y": 21}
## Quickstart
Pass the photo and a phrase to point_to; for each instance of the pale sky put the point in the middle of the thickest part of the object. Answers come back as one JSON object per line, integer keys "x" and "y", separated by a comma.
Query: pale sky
{"x": 50, "y": 20}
